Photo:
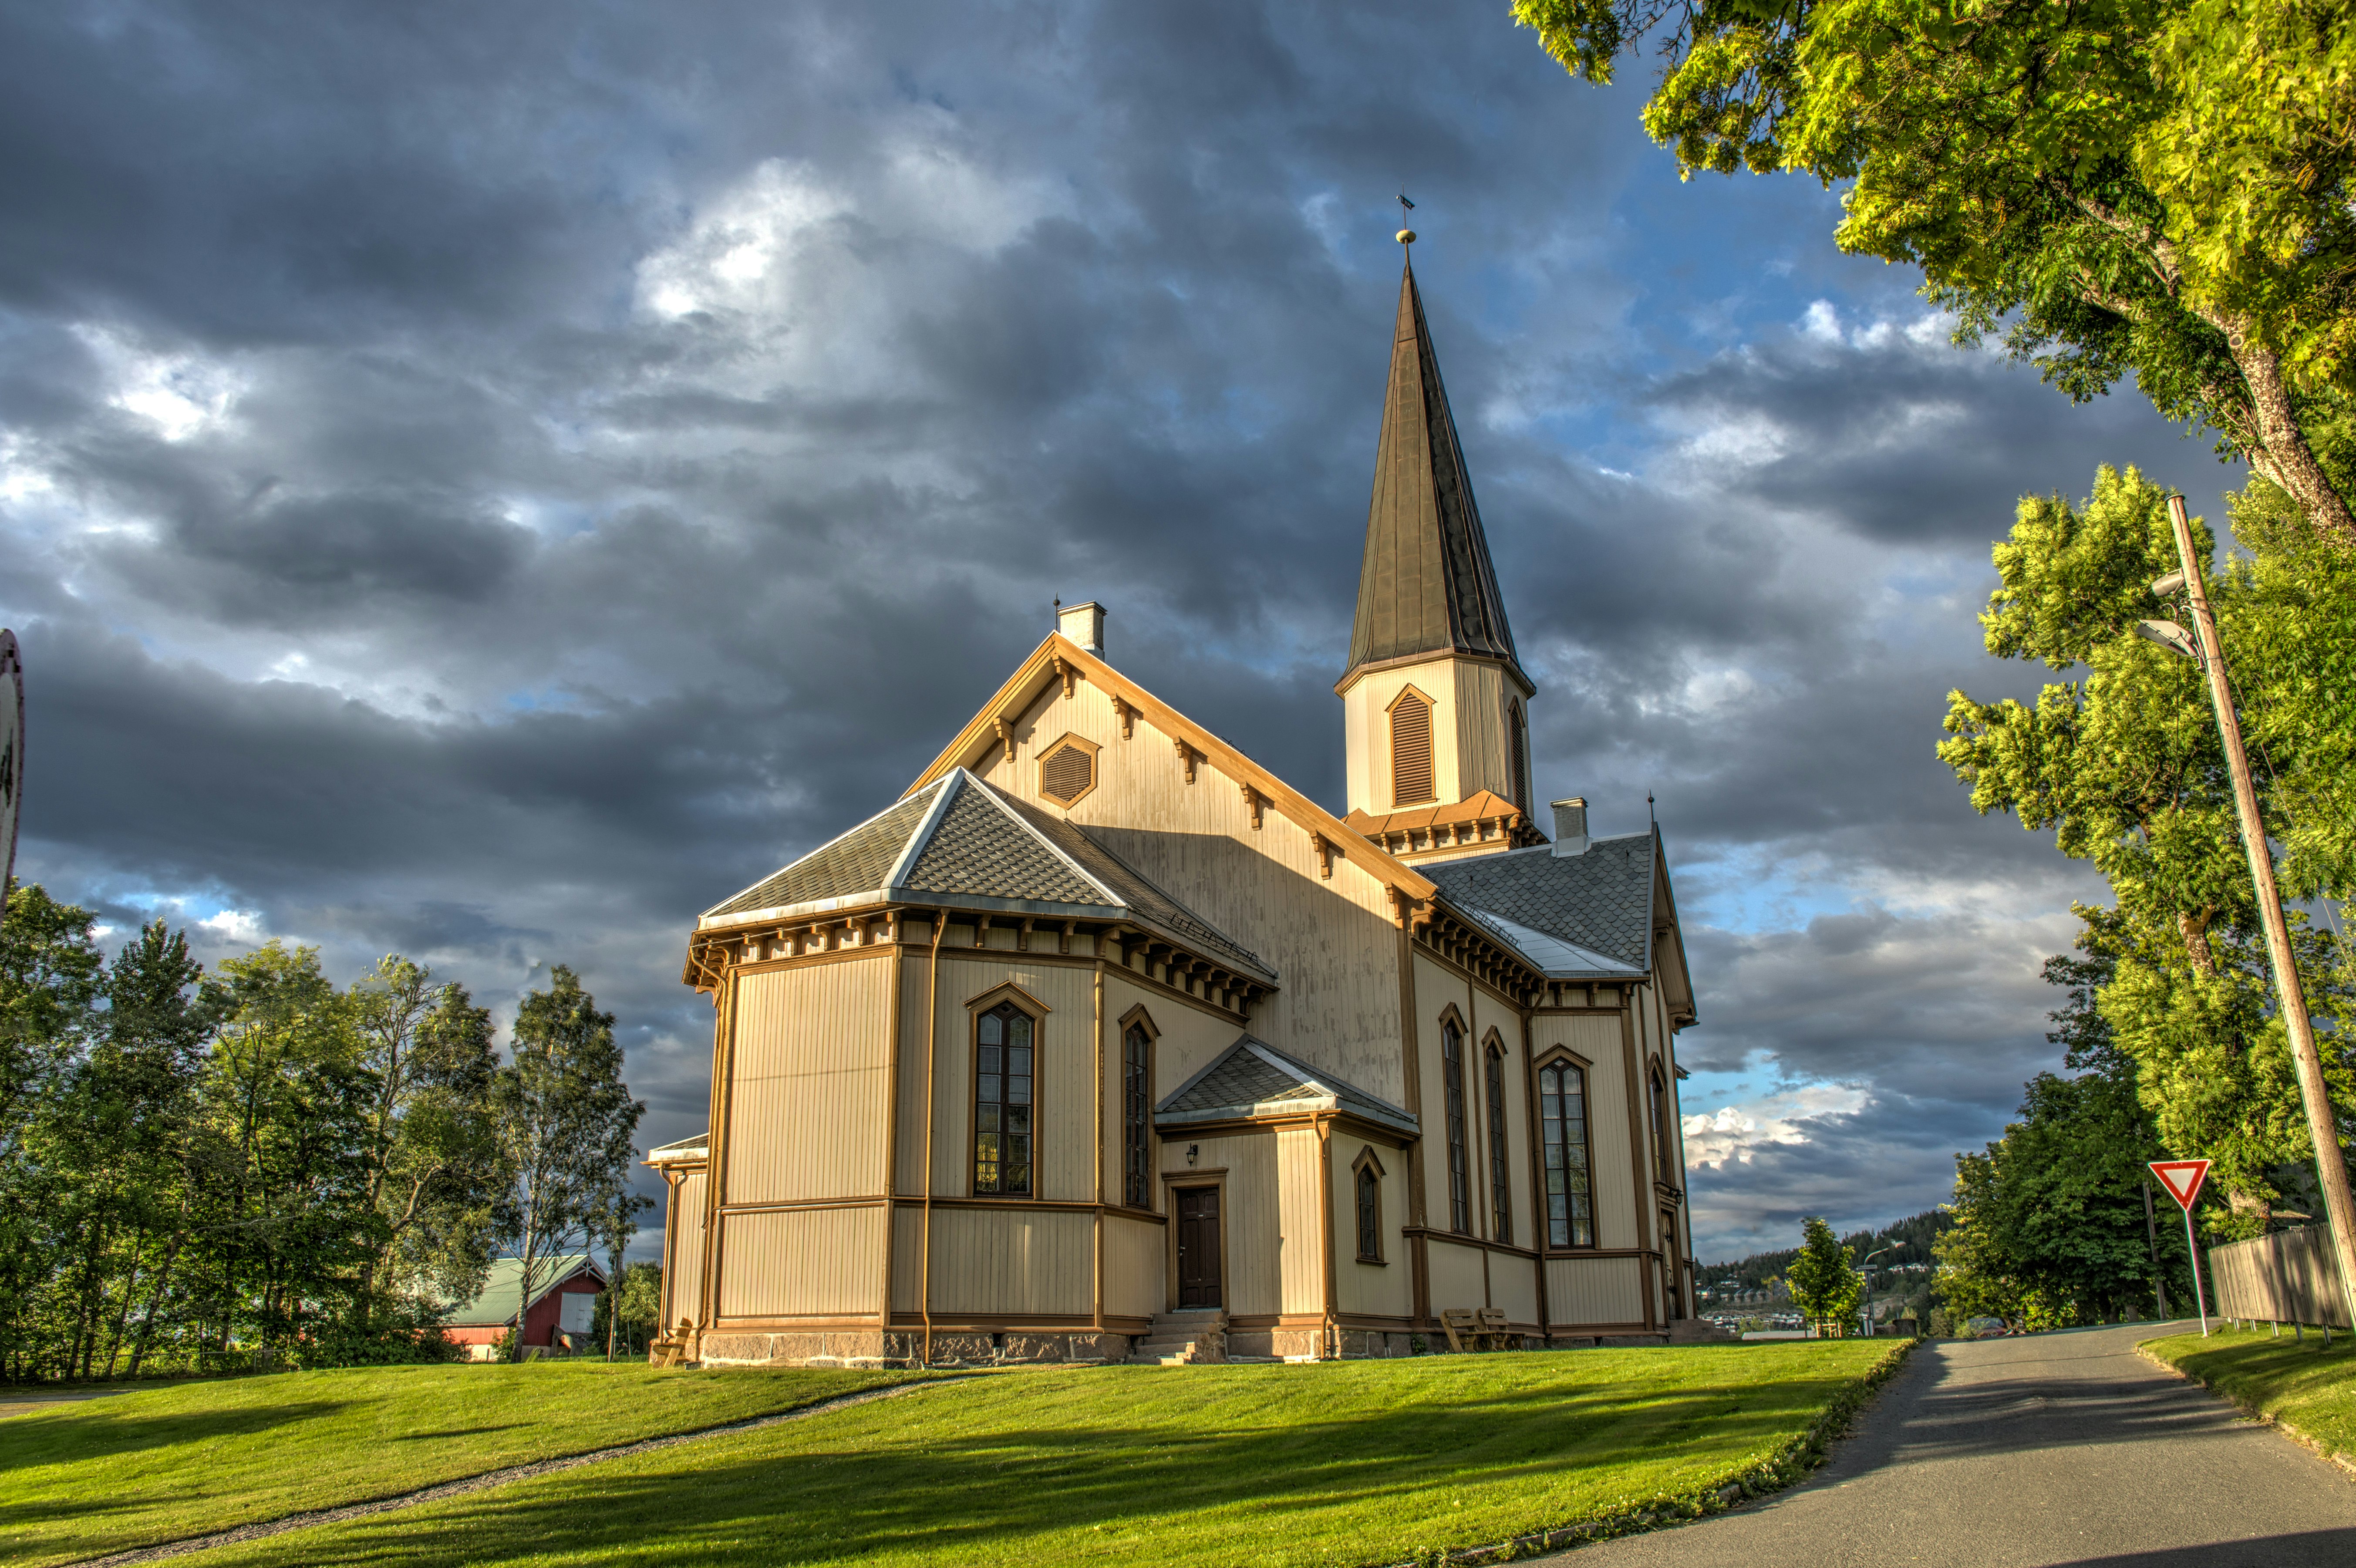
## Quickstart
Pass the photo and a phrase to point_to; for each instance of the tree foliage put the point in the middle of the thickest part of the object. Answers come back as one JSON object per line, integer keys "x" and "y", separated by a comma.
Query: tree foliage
{"x": 1823, "y": 1277}
{"x": 565, "y": 1120}
{"x": 203, "y": 1171}
{"x": 2159, "y": 188}
{"x": 2051, "y": 1226}
{"x": 2124, "y": 767}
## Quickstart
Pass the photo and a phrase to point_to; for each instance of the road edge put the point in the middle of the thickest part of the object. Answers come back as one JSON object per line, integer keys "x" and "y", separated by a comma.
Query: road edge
{"x": 2346, "y": 1462}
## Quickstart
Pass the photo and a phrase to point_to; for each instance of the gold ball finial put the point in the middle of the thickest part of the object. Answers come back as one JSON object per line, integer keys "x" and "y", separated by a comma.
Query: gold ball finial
{"x": 1407, "y": 236}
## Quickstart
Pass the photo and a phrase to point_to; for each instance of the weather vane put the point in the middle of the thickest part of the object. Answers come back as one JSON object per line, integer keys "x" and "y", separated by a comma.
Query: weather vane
{"x": 1405, "y": 236}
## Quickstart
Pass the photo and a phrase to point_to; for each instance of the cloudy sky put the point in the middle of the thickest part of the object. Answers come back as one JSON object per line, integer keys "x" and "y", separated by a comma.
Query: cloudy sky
{"x": 490, "y": 482}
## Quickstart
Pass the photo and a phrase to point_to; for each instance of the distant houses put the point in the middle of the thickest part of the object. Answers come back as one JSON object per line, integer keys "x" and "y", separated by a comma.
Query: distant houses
{"x": 563, "y": 1307}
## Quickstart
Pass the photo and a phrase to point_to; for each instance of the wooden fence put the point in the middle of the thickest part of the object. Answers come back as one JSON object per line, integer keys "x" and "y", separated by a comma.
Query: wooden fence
{"x": 2287, "y": 1277}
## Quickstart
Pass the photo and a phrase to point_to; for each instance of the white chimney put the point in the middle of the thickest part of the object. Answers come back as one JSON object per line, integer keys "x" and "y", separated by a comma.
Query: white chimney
{"x": 1570, "y": 826}
{"x": 1083, "y": 624}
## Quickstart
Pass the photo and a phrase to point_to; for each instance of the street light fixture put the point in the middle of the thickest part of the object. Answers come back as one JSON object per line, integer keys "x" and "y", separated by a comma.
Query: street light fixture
{"x": 2330, "y": 1168}
{"x": 1869, "y": 1285}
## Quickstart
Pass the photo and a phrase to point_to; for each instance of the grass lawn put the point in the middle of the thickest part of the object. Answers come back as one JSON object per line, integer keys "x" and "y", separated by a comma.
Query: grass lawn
{"x": 2302, "y": 1383}
{"x": 1365, "y": 1462}
{"x": 159, "y": 1464}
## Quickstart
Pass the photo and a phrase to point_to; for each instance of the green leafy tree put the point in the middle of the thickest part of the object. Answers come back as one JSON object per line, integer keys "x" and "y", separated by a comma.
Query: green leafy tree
{"x": 288, "y": 1101}
{"x": 1823, "y": 1278}
{"x": 435, "y": 1174}
{"x": 51, "y": 978}
{"x": 565, "y": 1124}
{"x": 2049, "y": 1220}
{"x": 627, "y": 1312}
{"x": 2159, "y": 188}
{"x": 2124, "y": 767}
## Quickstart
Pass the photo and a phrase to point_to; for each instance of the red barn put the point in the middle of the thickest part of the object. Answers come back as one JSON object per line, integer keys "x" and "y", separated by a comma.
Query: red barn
{"x": 561, "y": 1308}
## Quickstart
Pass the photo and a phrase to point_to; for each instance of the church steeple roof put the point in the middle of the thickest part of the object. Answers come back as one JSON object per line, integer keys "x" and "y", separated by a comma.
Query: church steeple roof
{"x": 1427, "y": 584}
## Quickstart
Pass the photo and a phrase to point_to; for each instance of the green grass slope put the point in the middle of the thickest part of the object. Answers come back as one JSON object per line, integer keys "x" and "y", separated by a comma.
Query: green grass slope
{"x": 2294, "y": 1381}
{"x": 161, "y": 1464}
{"x": 1365, "y": 1462}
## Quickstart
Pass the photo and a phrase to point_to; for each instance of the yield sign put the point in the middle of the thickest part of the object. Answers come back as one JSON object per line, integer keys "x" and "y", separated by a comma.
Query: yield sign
{"x": 2182, "y": 1179}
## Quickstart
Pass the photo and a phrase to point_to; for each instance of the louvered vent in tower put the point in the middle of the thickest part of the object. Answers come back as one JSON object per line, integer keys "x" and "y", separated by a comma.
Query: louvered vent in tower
{"x": 1411, "y": 751}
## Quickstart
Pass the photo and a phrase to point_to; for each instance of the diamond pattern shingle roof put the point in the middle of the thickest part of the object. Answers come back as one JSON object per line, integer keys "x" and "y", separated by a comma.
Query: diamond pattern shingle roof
{"x": 1130, "y": 887}
{"x": 1601, "y": 900}
{"x": 983, "y": 844}
{"x": 1252, "y": 1074}
{"x": 857, "y": 861}
{"x": 981, "y": 847}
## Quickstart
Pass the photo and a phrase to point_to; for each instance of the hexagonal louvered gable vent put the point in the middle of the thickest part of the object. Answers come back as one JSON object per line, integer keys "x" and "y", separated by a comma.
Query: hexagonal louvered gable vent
{"x": 1067, "y": 771}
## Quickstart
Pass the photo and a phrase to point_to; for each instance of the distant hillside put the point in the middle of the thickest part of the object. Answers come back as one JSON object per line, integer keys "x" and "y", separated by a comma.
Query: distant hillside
{"x": 1911, "y": 1237}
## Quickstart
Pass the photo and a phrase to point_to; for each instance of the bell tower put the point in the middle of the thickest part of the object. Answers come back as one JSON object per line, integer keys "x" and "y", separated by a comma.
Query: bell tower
{"x": 1437, "y": 705}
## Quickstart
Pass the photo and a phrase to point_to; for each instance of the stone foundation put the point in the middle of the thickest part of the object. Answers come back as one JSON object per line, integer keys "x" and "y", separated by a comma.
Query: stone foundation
{"x": 905, "y": 1348}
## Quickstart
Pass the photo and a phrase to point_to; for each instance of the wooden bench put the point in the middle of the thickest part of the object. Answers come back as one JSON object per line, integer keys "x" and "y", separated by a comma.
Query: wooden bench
{"x": 1474, "y": 1328}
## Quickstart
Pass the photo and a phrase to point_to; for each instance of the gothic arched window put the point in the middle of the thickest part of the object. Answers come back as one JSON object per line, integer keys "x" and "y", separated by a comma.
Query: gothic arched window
{"x": 1451, "y": 1071}
{"x": 1501, "y": 1189}
{"x": 1136, "y": 1076}
{"x": 1004, "y": 1043}
{"x": 1562, "y": 1118}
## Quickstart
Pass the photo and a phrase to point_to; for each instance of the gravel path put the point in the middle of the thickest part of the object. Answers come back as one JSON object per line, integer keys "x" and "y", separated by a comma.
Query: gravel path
{"x": 487, "y": 1479}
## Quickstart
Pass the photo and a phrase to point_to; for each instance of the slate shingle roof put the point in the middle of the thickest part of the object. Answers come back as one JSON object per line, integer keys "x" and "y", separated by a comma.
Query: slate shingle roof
{"x": 1253, "y": 1076}
{"x": 982, "y": 848}
{"x": 980, "y": 842}
{"x": 1130, "y": 886}
{"x": 857, "y": 861}
{"x": 1601, "y": 900}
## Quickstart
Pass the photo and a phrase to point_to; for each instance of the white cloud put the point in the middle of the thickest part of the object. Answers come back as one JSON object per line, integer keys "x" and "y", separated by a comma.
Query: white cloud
{"x": 1736, "y": 1133}
{"x": 235, "y": 926}
{"x": 182, "y": 395}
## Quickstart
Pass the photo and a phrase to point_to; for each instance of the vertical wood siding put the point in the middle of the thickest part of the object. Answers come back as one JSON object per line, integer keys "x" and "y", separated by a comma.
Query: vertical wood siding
{"x": 1301, "y": 1208}
{"x": 1333, "y": 940}
{"x": 1251, "y": 1213}
{"x": 1455, "y": 1276}
{"x": 1014, "y": 1262}
{"x": 683, "y": 1283}
{"x": 1595, "y": 1290}
{"x": 802, "y": 1262}
{"x": 1385, "y": 1289}
{"x": 1485, "y": 754}
{"x": 807, "y": 1108}
{"x": 1514, "y": 1286}
{"x": 1136, "y": 1267}
{"x": 1365, "y": 725}
{"x": 1065, "y": 1075}
{"x": 908, "y": 1260}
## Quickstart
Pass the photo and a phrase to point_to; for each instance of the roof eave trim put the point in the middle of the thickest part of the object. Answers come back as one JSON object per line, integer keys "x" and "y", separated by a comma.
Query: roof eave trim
{"x": 1346, "y": 843}
{"x": 1270, "y": 1110}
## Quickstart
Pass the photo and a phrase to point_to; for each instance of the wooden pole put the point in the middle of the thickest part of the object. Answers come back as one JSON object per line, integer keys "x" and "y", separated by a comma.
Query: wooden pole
{"x": 2332, "y": 1167}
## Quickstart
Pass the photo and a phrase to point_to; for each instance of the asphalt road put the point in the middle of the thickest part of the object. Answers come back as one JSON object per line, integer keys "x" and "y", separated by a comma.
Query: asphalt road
{"x": 2057, "y": 1448}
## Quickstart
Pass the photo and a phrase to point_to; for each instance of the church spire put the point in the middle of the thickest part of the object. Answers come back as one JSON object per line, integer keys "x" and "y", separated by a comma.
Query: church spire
{"x": 1427, "y": 586}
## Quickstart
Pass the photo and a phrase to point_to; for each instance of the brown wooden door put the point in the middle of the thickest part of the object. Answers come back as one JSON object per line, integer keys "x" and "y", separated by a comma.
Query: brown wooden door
{"x": 1198, "y": 1246}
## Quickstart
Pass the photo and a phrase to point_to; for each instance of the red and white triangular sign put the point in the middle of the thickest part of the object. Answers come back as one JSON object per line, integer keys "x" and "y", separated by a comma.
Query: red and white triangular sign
{"x": 2182, "y": 1179}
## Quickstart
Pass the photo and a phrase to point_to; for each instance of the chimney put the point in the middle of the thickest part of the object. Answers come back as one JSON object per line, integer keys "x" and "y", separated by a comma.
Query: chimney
{"x": 1570, "y": 826}
{"x": 1084, "y": 624}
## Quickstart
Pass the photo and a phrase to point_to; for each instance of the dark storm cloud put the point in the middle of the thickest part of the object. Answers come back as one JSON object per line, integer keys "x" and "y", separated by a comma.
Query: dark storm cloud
{"x": 491, "y": 483}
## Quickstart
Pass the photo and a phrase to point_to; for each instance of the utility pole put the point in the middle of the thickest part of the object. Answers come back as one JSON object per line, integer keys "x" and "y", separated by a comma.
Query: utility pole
{"x": 2329, "y": 1166}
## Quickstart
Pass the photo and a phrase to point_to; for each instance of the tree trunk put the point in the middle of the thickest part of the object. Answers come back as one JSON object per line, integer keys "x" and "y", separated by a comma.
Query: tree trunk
{"x": 2281, "y": 452}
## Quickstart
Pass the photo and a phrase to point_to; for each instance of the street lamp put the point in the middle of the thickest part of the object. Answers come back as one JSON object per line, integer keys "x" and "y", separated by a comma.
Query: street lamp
{"x": 1867, "y": 1275}
{"x": 2330, "y": 1168}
